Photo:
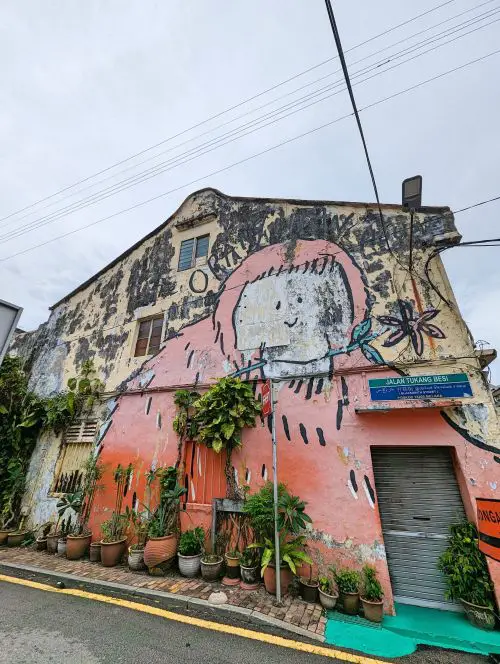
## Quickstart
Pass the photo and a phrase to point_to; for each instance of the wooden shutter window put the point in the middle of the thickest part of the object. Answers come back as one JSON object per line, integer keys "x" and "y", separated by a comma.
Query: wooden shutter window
{"x": 149, "y": 336}
{"x": 77, "y": 446}
{"x": 186, "y": 254}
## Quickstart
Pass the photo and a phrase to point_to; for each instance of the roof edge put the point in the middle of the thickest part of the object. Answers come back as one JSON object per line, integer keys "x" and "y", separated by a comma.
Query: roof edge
{"x": 293, "y": 201}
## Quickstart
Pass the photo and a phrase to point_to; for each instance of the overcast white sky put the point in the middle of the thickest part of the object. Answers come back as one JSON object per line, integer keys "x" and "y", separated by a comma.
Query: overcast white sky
{"x": 85, "y": 85}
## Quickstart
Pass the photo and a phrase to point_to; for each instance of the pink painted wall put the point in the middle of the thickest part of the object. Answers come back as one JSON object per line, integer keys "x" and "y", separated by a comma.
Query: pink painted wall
{"x": 324, "y": 445}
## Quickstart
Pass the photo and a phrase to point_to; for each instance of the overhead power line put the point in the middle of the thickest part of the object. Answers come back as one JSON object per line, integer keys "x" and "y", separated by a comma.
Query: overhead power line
{"x": 246, "y": 128}
{"x": 259, "y": 154}
{"x": 157, "y": 168}
{"x": 228, "y": 110}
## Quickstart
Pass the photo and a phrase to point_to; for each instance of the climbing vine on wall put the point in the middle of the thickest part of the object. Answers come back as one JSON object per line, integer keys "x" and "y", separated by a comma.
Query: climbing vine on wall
{"x": 218, "y": 418}
{"x": 23, "y": 416}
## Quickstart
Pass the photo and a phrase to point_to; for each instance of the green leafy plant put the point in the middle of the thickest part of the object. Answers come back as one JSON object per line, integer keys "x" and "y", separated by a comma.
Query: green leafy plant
{"x": 220, "y": 415}
{"x": 115, "y": 528}
{"x": 348, "y": 580}
{"x": 465, "y": 567}
{"x": 327, "y": 585}
{"x": 291, "y": 553}
{"x": 250, "y": 557}
{"x": 192, "y": 541}
{"x": 92, "y": 474}
{"x": 291, "y": 512}
{"x": 372, "y": 590}
{"x": 164, "y": 519}
{"x": 73, "y": 503}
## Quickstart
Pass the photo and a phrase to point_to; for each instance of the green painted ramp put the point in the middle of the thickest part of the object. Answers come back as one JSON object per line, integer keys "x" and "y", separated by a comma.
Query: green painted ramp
{"x": 412, "y": 625}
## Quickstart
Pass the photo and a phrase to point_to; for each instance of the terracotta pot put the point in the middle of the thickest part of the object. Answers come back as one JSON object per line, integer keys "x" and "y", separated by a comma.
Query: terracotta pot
{"x": 52, "y": 543}
{"x": 160, "y": 550}
{"x": 16, "y": 539}
{"x": 95, "y": 552}
{"x": 286, "y": 577}
{"x": 480, "y": 616}
{"x": 350, "y": 603}
{"x": 374, "y": 611}
{"x": 112, "y": 552}
{"x": 77, "y": 546}
{"x": 41, "y": 543}
{"x": 189, "y": 565}
{"x": 308, "y": 590}
{"x": 3, "y": 537}
{"x": 61, "y": 546}
{"x": 327, "y": 601}
{"x": 211, "y": 571}
{"x": 136, "y": 559}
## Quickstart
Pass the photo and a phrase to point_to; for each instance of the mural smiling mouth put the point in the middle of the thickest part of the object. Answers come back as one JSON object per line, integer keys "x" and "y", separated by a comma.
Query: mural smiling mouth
{"x": 292, "y": 324}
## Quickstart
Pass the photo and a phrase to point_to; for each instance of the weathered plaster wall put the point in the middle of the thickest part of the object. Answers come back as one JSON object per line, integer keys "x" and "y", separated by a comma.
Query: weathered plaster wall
{"x": 315, "y": 295}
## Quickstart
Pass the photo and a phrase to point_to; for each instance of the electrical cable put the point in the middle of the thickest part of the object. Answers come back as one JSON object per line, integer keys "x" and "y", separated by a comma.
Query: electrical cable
{"x": 154, "y": 169}
{"x": 235, "y": 106}
{"x": 137, "y": 179}
{"x": 258, "y": 154}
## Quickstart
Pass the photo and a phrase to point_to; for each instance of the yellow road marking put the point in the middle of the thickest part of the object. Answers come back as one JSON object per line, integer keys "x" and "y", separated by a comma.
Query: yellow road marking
{"x": 200, "y": 622}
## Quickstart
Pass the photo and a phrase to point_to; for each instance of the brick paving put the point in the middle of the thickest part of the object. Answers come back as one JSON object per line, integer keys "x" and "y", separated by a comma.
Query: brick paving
{"x": 293, "y": 611}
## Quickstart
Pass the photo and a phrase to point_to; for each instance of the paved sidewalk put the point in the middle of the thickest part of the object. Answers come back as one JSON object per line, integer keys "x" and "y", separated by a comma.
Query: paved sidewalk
{"x": 297, "y": 614}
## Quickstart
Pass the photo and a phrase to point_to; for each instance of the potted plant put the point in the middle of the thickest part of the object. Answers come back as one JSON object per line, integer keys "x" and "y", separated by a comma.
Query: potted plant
{"x": 52, "y": 537}
{"x": 467, "y": 577}
{"x": 73, "y": 503}
{"x": 372, "y": 595}
{"x": 348, "y": 581}
{"x": 41, "y": 540}
{"x": 17, "y": 537}
{"x": 211, "y": 566}
{"x": 113, "y": 540}
{"x": 114, "y": 530}
{"x": 161, "y": 546}
{"x": 65, "y": 529}
{"x": 190, "y": 550}
{"x": 4, "y": 533}
{"x": 95, "y": 552}
{"x": 328, "y": 594}
{"x": 292, "y": 554}
{"x": 232, "y": 575}
{"x": 79, "y": 539}
{"x": 308, "y": 587}
{"x": 139, "y": 524}
{"x": 249, "y": 569}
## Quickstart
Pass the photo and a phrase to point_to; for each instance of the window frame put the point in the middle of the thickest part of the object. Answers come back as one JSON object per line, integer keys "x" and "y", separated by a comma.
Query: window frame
{"x": 195, "y": 260}
{"x": 83, "y": 440}
{"x": 150, "y": 320}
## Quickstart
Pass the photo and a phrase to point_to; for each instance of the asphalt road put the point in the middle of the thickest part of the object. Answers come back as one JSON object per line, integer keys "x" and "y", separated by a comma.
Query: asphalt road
{"x": 38, "y": 626}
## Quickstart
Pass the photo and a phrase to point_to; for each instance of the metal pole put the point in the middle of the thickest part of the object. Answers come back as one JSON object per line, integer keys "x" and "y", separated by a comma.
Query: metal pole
{"x": 275, "y": 493}
{"x": 410, "y": 261}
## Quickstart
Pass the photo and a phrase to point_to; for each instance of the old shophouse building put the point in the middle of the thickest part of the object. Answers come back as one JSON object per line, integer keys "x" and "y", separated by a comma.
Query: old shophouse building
{"x": 386, "y": 425}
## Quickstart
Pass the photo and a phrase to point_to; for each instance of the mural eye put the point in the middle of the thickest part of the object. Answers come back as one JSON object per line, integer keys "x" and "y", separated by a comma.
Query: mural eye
{"x": 278, "y": 305}
{"x": 299, "y": 300}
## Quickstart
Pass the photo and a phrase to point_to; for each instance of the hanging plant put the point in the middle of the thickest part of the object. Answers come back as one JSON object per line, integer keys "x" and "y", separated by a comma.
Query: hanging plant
{"x": 220, "y": 414}
{"x": 184, "y": 424}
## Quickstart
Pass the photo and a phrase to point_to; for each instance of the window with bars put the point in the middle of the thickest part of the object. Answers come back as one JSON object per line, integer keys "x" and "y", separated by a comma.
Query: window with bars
{"x": 77, "y": 445}
{"x": 149, "y": 336}
{"x": 193, "y": 252}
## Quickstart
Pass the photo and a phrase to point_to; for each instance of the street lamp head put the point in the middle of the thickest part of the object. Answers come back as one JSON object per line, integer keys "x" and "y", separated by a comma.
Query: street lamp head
{"x": 412, "y": 192}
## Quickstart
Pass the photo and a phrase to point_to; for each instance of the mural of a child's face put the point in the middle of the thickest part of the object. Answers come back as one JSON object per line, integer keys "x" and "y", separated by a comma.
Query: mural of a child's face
{"x": 296, "y": 316}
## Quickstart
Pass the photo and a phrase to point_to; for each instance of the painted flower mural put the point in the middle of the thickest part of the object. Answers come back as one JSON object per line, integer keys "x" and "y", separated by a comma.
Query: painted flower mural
{"x": 411, "y": 325}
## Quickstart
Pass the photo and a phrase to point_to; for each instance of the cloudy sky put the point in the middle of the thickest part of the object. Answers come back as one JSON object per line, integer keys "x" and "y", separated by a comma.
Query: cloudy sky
{"x": 87, "y": 85}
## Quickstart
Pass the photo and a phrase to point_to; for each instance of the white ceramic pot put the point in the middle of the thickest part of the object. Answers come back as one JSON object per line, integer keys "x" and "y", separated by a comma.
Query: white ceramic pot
{"x": 61, "y": 546}
{"x": 189, "y": 565}
{"x": 136, "y": 559}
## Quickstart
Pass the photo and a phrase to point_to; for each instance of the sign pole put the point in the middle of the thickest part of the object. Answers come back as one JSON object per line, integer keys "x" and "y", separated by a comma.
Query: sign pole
{"x": 275, "y": 490}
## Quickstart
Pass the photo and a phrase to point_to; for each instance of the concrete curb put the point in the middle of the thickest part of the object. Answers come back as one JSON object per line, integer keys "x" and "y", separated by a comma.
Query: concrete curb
{"x": 168, "y": 600}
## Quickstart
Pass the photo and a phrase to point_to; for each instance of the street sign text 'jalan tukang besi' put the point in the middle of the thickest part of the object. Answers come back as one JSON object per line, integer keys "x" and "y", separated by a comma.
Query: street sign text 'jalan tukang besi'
{"x": 437, "y": 386}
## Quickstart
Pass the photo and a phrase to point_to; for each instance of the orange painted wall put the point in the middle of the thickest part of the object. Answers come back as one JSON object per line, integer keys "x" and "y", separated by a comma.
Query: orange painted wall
{"x": 324, "y": 445}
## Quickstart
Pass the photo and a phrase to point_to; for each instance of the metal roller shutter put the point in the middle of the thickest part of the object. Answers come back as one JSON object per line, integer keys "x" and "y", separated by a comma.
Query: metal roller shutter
{"x": 418, "y": 499}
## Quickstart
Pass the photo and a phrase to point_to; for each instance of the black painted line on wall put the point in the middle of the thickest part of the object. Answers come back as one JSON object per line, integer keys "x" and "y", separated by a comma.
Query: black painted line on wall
{"x": 299, "y": 386}
{"x": 321, "y": 436}
{"x": 291, "y": 383}
{"x": 309, "y": 388}
{"x": 340, "y": 413}
{"x": 190, "y": 357}
{"x": 370, "y": 488}
{"x": 353, "y": 481}
{"x": 285, "y": 427}
{"x": 303, "y": 433}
